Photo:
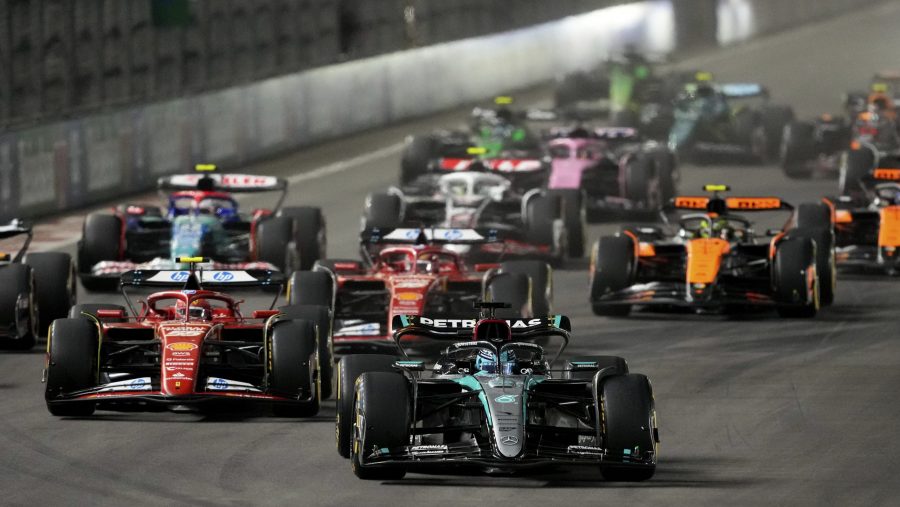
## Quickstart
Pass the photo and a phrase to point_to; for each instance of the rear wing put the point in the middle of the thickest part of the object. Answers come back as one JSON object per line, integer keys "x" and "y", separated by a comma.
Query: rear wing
{"x": 416, "y": 236}
{"x": 447, "y": 328}
{"x": 208, "y": 279}
{"x": 502, "y": 165}
{"x": 744, "y": 204}
{"x": 463, "y": 327}
{"x": 234, "y": 183}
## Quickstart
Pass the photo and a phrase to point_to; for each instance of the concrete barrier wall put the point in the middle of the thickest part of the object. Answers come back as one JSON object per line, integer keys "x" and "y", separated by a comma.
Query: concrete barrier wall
{"x": 74, "y": 163}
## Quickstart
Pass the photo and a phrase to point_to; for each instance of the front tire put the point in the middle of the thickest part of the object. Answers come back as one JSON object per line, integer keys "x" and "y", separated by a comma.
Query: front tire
{"x": 383, "y": 404}
{"x": 629, "y": 425}
{"x": 612, "y": 267}
{"x": 293, "y": 368}
{"x": 71, "y": 365}
{"x": 349, "y": 369}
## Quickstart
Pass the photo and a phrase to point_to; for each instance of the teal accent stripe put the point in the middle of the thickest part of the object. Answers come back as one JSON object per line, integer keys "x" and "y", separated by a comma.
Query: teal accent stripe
{"x": 557, "y": 319}
{"x": 404, "y": 320}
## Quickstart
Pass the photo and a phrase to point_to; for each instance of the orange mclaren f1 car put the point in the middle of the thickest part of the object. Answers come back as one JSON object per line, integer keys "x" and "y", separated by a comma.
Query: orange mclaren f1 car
{"x": 709, "y": 257}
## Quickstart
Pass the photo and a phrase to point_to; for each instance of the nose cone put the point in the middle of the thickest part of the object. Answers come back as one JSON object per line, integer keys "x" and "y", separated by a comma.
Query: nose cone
{"x": 181, "y": 347}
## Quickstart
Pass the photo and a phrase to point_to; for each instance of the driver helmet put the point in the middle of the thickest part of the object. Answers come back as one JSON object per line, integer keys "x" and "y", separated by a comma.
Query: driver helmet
{"x": 199, "y": 309}
{"x": 486, "y": 362}
{"x": 704, "y": 91}
{"x": 718, "y": 228}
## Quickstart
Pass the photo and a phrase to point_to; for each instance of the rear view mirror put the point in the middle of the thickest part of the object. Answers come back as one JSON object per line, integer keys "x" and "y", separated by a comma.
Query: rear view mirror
{"x": 486, "y": 267}
{"x": 773, "y": 232}
{"x": 264, "y": 314}
{"x": 110, "y": 313}
{"x": 410, "y": 365}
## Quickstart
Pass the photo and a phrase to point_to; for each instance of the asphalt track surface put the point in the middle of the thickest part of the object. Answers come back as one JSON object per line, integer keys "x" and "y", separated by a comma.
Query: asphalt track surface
{"x": 752, "y": 411}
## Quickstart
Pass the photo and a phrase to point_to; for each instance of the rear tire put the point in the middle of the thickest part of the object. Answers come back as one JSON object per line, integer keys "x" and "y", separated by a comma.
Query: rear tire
{"x": 540, "y": 219}
{"x": 612, "y": 268}
{"x": 311, "y": 288}
{"x": 310, "y": 234}
{"x": 574, "y": 218}
{"x": 630, "y": 424}
{"x": 321, "y": 315}
{"x": 418, "y": 153}
{"x": 814, "y": 221}
{"x": 17, "y": 284}
{"x": 512, "y": 288}
{"x": 541, "y": 275}
{"x": 857, "y": 165}
{"x": 349, "y": 369}
{"x": 294, "y": 367}
{"x": 383, "y": 211}
{"x": 638, "y": 173}
{"x": 382, "y": 401}
{"x": 275, "y": 244}
{"x": 55, "y": 283}
{"x": 101, "y": 240}
{"x": 793, "y": 258}
{"x": 774, "y": 119}
{"x": 71, "y": 365}
{"x": 797, "y": 149}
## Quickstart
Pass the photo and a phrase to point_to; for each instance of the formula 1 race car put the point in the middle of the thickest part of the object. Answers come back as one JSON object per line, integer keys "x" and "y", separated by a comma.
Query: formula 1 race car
{"x": 630, "y": 88}
{"x": 875, "y": 144}
{"x": 867, "y": 229}
{"x": 610, "y": 169}
{"x": 493, "y": 400}
{"x": 810, "y": 148}
{"x": 500, "y": 137}
{"x": 35, "y": 288}
{"x": 530, "y": 225}
{"x": 715, "y": 260}
{"x": 202, "y": 218}
{"x": 414, "y": 272}
{"x": 186, "y": 348}
{"x": 731, "y": 120}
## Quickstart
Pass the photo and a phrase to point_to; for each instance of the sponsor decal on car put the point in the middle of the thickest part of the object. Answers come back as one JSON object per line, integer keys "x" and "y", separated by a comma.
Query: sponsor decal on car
{"x": 506, "y": 398}
{"x": 181, "y": 346}
{"x": 429, "y": 449}
{"x": 470, "y": 323}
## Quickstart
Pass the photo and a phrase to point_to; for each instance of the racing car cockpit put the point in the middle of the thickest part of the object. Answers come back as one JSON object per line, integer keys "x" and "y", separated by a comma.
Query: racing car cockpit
{"x": 205, "y": 306}
{"x": 702, "y": 225}
{"x": 217, "y": 204}
{"x": 886, "y": 194}
{"x": 409, "y": 260}
{"x": 472, "y": 188}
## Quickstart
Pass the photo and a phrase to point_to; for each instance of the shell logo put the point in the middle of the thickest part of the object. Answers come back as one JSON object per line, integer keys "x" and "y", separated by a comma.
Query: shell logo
{"x": 181, "y": 346}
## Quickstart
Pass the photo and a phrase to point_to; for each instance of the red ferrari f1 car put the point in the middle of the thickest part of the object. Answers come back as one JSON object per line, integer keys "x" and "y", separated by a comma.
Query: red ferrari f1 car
{"x": 417, "y": 272}
{"x": 191, "y": 347}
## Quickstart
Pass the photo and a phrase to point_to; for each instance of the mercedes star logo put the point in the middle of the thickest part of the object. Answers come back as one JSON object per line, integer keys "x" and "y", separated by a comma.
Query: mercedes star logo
{"x": 509, "y": 440}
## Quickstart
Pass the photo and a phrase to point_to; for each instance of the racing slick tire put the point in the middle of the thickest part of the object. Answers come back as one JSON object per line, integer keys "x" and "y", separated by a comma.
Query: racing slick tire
{"x": 790, "y": 276}
{"x": 575, "y": 219}
{"x": 383, "y": 211}
{"x": 383, "y": 403}
{"x": 78, "y": 311}
{"x": 639, "y": 171}
{"x": 515, "y": 289}
{"x": 774, "y": 119}
{"x": 417, "y": 154}
{"x": 101, "y": 240}
{"x": 311, "y": 288}
{"x": 797, "y": 149}
{"x": 18, "y": 306}
{"x": 541, "y": 275}
{"x": 814, "y": 221}
{"x": 309, "y": 233}
{"x": 275, "y": 244}
{"x": 71, "y": 365}
{"x": 55, "y": 284}
{"x": 321, "y": 315}
{"x": 667, "y": 173}
{"x": 349, "y": 369}
{"x": 605, "y": 365}
{"x": 628, "y": 424}
{"x": 294, "y": 367}
{"x": 541, "y": 215}
{"x": 612, "y": 267}
{"x": 857, "y": 164}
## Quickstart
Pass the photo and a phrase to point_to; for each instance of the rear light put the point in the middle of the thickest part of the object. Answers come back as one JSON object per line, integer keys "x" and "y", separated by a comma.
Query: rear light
{"x": 135, "y": 210}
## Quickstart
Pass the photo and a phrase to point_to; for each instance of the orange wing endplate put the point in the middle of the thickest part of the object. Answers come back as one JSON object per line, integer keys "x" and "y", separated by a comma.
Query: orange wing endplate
{"x": 886, "y": 174}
